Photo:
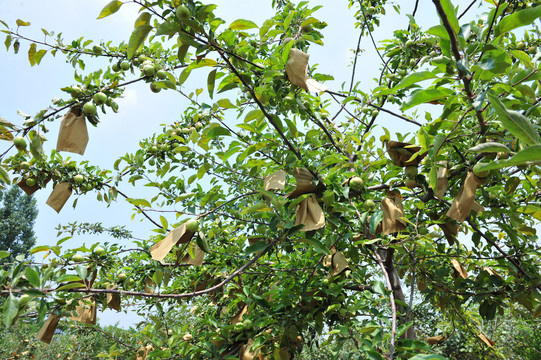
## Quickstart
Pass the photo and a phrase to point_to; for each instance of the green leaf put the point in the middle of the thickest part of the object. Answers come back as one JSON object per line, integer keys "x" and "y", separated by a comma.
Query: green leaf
{"x": 32, "y": 276}
{"x": 211, "y": 81}
{"x": 22, "y": 23}
{"x": 241, "y": 24}
{"x": 143, "y": 19}
{"x": 110, "y": 9}
{"x": 428, "y": 357}
{"x": 201, "y": 241}
{"x": 139, "y": 202}
{"x": 516, "y": 123}
{"x": 258, "y": 246}
{"x": 413, "y": 79}
{"x": 31, "y": 53}
{"x": 137, "y": 39}
{"x": 11, "y": 307}
{"x": 517, "y": 19}
{"x": 318, "y": 246}
{"x": 7, "y": 42}
{"x": 74, "y": 285}
{"x": 439, "y": 31}
{"x": 39, "y": 248}
{"x": 167, "y": 28}
{"x": 450, "y": 12}
{"x": 225, "y": 103}
{"x": 490, "y": 147}
{"x": 38, "y": 55}
{"x": 530, "y": 154}
{"x": 4, "y": 176}
{"x": 379, "y": 287}
{"x": 4, "y": 254}
{"x": 425, "y": 96}
{"x": 81, "y": 271}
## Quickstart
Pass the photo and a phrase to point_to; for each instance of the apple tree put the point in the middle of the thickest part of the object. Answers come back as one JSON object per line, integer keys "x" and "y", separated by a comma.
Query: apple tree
{"x": 288, "y": 215}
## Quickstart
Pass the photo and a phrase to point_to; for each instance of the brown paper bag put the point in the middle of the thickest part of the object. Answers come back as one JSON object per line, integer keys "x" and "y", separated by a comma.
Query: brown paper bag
{"x": 46, "y": 332}
{"x": 247, "y": 354}
{"x": 86, "y": 311}
{"x": 442, "y": 182}
{"x": 59, "y": 196}
{"x": 297, "y": 69}
{"x": 459, "y": 269}
{"x": 309, "y": 214}
{"x": 239, "y": 315}
{"x": 486, "y": 340}
{"x": 275, "y": 181}
{"x": 464, "y": 202}
{"x": 197, "y": 260}
{"x": 304, "y": 183}
{"x": 150, "y": 285}
{"x": 176, "y": 236}
{"x": 113, "y": 300}
{"x": 29, "y": 190}
{"x": 392, "y": 212}
{"x": 339, "y": 263}
{"x": 73, "y": 135}
{"x": 433, "y": 340}
{"x": 401, "y": 153}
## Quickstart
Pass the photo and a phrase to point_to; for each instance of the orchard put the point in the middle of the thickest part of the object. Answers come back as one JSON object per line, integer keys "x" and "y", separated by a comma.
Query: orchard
{"x": 288, "y": 216}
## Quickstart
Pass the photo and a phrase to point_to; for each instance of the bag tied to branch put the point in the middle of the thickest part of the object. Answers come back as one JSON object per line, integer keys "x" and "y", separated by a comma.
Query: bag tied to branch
{"x": 465, "y": 201}
{"x": 275, "y": 181}
{"x": 113, "y": 300}
{"x": 297, "y": 70}
{"x": 196, "y": 259}
{"x": 29, "y": 190}
{"x": 339, "y": 263}
{"x": 309, "y": 214}
{"x": 59, "y": 196}
{"x": 86, "y": 311}
{"x": 178, "y": 235}
{"x": 73, "y": 135}
{"x": 304, "y": 183}
{"x": 442, "y": 182}
{"x": 393, "y": 211}
{"x": 401, "y": 153}
{"x": 46, "y": 332}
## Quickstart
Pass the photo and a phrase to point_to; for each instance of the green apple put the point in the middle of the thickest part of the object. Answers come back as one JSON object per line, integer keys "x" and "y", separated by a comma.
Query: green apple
{"x": 90, "y": 109}
{"x": 478, "y": 172}
{"x": 162, "y": 75}
{"x": 154, "y": 88}
{"x": 99, "y": 250}
{"x": 532, "y": 50}
{"x": 116, "y": 67}
{"x": 79, "y": 178}
{"x": 521, "y": 45}
{"x": 411, "y": 172}
{"x": 183, "y": 13}
{"x": 122, "y": 276}
{"x": 20, "y": 143}
{"x": 247, "y": 324}
{"x": 410, "y": 183}
{"x": 149, "y": 70}
{"x": 356, "y": 183}
{"x": 77, "y": 258}
{"x": 239, "y": 327}
{"x": 192, "y": 225}
{"x": 97, "y": 49}
{"x": 25, "y": 165}
{"x": 24, "y": 299}
{"x": 125, "y": 65}
{"x": 100, "y": 98}
{"x": 410, "y": 43}
{"x": 369, "y": 204}
{"x": 306, "y": 28}
{"x": 31, "y": 182}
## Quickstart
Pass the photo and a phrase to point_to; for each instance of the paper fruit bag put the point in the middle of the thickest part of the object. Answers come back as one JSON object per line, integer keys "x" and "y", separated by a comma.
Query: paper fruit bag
{"x": 59, "y": 196}
{"x": 73, "y": 135}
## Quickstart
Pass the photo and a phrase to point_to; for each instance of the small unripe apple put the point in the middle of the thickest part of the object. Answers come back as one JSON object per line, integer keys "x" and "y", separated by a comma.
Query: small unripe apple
{"x": 149, "y": 70}
{"x": 192, "y": 225}
{"x": 24, "y": 299}
{"x": 116, "y": 67}
{"x": 122, "y": 276}
{"x": 306, "y": 28}
{"x": 356, "y": 183}
{"x": 247, "y": 323}
{"x": 521, "y": 45}
{"x": 162, "y": 75}
{"x": 410, "y": 183}
{"x": 100, "y": 98}
{"x": 411, "y": 172}
{"x": 77, "y": 258}
{"x": 97, "y": 49}
{"x": 125, "y": 65}
{"x": 20, "y": 143}
{"x": 89, "y": 109}
{"x": 183, "y": 13}
{"x": 532, "y": 50}
{"x": 369, "y": 204}
{"x": 410, "y": 43}
{"x": 154, "y": 88}
{"x": 478, "y": 172}
{"x": 25, "y": 165}
{"x": 99, "y": 250}
{"x": 79, "y": 178}
{"x": 31, "y": 182}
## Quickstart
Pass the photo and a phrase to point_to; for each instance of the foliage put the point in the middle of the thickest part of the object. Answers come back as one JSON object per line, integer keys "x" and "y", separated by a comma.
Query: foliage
{"x": 17, "y": 215}
{"x": 72, "y": 341}
{"x": 464, "y": 235}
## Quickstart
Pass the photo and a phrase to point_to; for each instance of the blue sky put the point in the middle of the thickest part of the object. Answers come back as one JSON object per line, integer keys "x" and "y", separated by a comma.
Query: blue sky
{"x": 30, "y": 89}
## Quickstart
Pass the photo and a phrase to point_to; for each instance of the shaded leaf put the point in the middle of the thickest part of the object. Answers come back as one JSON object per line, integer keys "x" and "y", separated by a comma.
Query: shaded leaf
{"x": 11, "y": 307}
{"x": 517, "y": 19}
{"x": 530, "y": 154}
{"x": 241, "y": 24}
{"x": 137, "y": 39}
{"x": 490, "y": 147}
{"x": 425, "y": 96}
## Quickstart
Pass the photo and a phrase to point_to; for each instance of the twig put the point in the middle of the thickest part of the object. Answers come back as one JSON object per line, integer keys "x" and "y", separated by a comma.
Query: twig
{"x": 467, "y": 9}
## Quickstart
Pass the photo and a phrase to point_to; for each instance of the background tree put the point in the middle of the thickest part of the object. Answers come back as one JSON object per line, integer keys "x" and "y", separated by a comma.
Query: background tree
{"x": 284, "y": 211}
{"x": 18, "y": 213}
